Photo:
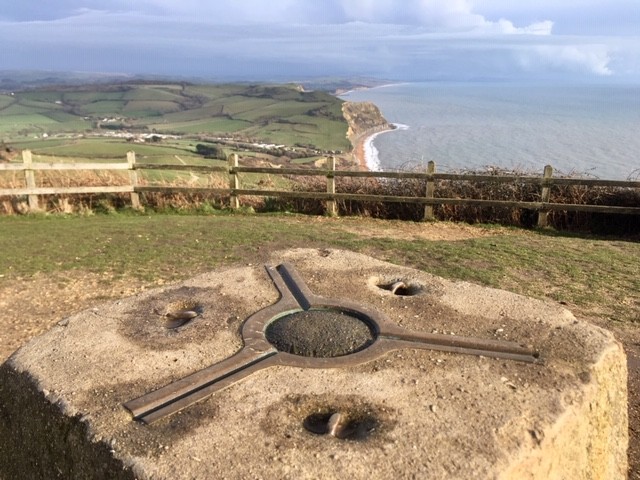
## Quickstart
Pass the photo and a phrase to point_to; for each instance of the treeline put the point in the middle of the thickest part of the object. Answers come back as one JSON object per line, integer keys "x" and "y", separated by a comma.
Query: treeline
{"x": 216, "y": 150}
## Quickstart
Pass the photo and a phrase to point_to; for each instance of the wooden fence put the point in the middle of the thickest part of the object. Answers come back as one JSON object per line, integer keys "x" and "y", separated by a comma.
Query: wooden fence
{"x": 330, "y": 197}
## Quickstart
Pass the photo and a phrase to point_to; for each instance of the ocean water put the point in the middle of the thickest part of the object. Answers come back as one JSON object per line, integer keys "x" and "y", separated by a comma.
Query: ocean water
{"x": 587, "y": 129}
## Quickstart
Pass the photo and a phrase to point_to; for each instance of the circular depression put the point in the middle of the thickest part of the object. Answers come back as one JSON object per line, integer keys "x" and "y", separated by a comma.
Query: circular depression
{"x": 323, "y": 333}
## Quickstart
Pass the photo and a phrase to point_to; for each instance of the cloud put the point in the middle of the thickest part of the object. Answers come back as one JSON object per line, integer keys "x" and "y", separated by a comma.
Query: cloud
{"x": 423, "y": 39}
{"x": 437, "y": 15}
{"x": 593, "y": 59}
{"x": 571, "y": 17}
{"x": 34, "y": 11}
{"x": 434, "y": 14}
{"x": 503, "y": 26}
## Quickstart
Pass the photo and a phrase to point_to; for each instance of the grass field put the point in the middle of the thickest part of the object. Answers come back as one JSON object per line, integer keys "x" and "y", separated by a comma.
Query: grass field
{"x": 218, "y": 125}
{"x": 6, "y": 100}
{"x": 98, "y": 147}
{"x": 281, "y": 114}
{"x": 588, "y": 273}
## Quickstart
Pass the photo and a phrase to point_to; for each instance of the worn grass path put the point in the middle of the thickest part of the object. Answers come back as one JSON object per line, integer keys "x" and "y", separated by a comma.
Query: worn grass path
{"x": 52, "y": 266}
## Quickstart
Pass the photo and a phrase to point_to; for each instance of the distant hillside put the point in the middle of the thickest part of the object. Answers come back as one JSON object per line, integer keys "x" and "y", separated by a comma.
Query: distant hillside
{"x": 277, "y": 114}
{"x": 18, "y": 80}
{"x": 14, "y": 80}
{"x": 340, "y": 85}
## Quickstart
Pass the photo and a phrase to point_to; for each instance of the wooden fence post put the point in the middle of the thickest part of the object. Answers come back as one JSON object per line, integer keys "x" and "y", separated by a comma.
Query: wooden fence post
{"x": 30, "y": 180}
{"x": 234, "y": 181}
{"x": 431, "y": 186}
{"x": 133, "y": 179}
{"x": 543, "y": 215}
{"x": 331, "y": 206}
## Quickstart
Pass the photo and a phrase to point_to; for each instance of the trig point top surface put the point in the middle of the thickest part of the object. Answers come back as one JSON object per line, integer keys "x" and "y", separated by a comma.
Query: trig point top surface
{"x": 331, "y": 364}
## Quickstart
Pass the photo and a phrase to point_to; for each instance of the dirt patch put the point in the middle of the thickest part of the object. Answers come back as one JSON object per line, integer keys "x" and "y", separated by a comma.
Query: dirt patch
{"x": 31, "y": 306}
{"x": 319, "y": 333}
{"x": 441, "y": 231}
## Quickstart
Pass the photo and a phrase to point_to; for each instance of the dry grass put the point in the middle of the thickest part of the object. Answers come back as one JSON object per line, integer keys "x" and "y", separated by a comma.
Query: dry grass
{"x": 105, "y": 203}
{"x": 514, "y": 191}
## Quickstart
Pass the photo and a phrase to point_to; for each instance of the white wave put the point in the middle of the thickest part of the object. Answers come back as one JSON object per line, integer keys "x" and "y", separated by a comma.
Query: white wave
{"x": 371, "y": 154}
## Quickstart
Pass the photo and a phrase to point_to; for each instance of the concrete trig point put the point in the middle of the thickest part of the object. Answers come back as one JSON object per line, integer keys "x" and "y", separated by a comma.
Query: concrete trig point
{"x": 368, "y": 395}
{"x": 306, "y": 330}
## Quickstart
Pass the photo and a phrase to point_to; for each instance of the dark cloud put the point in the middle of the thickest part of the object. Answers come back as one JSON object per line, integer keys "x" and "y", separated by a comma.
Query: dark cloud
{"x": 420, "y": 40}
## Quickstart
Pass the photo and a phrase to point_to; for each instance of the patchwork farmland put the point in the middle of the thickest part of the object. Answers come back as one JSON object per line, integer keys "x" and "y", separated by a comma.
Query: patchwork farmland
{"x": 100, "y": 121}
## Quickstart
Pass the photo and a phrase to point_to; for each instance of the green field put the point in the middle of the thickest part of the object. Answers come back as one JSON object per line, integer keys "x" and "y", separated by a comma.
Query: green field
{"x": 273, "y": 114}
{"x": 219, "y": 125}
{"x": 98, "y": 147}
{"x": 592, "y": 275}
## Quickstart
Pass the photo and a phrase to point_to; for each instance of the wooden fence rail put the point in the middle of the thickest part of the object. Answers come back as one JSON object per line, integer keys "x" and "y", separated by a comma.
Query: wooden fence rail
{"x": 330, "y": 197}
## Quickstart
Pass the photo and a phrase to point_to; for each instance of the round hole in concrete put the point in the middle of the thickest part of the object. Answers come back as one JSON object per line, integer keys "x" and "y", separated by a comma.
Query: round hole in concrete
{"x": 402, "y": 288}
{"x": 322, "y": 333}
{"x": 180, "y": 312}
{"x": 340, "y": 425}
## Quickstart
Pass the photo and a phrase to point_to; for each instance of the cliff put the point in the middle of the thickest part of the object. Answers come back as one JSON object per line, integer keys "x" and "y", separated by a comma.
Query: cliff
{"x": 364, "y": 119}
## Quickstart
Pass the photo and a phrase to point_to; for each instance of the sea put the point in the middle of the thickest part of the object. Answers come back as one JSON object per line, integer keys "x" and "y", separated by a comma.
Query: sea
{"x": 587, "y": 130}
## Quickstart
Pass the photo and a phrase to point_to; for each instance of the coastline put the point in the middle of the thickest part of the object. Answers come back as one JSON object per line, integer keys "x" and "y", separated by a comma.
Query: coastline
{"x": 344, "y": 93}
{"x": 364, "y": 149}
{"x": 365, "y": 123}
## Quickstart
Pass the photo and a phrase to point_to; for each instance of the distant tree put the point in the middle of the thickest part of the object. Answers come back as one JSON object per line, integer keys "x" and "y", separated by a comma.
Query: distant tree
{"x": 113, "y": 126}
{"x": 210, "y": 151}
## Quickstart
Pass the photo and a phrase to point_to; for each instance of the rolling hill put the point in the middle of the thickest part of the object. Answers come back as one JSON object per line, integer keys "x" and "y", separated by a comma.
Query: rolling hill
{"x": 275, "y": 114}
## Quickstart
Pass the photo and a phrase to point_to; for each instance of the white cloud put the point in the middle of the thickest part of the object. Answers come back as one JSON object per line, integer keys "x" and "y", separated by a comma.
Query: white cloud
{"x": 421, "y": 39}
{"x": 593, "y": 59}
{"x": 571, "y": 17}
{"x": 436, "y": 15}
{"x": 503, "y": 26}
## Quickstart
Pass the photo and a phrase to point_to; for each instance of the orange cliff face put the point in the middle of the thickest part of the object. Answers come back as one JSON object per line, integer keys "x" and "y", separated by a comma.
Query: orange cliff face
{"x": 364, "y": 119}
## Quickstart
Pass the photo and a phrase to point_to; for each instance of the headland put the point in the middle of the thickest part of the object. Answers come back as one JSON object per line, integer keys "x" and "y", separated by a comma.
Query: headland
{"x": 365, "y": 122}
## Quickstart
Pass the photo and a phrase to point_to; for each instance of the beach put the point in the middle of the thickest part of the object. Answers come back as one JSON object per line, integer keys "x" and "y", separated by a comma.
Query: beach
{"x": 359, "y": 152}
{"x": 365, "y": 151}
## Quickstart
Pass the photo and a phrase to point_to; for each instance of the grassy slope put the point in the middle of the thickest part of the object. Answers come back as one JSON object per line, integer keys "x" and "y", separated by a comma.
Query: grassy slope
{"x": 590, "y": 274}
{"x": 272, "y": 114}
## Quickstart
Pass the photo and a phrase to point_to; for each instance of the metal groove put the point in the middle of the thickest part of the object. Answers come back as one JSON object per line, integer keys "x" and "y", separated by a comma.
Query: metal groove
{"x": 257, "y": 353}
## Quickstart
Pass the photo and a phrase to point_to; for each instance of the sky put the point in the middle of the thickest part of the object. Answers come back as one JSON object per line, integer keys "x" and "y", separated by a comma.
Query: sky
{"x": 402, "y": 40}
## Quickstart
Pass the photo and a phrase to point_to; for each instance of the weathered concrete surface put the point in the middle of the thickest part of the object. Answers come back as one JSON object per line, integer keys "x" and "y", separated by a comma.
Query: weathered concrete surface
{"x": 437, "y": 415}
